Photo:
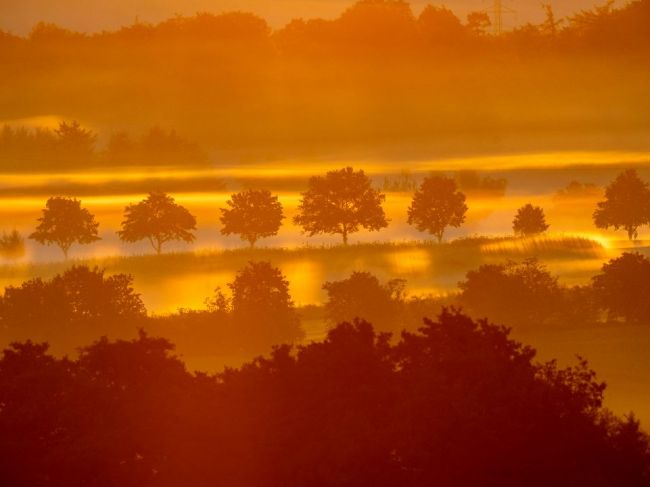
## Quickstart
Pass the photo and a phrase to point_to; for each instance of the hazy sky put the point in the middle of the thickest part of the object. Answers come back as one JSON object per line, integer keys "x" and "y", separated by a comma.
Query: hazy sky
{"x": 18, "y": 16}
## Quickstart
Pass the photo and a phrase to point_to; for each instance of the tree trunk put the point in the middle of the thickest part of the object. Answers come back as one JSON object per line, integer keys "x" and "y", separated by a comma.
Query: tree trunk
{"x": 65, "y": 252}
{"x": 439, "y": 237}
{"x": 157, "y": 244}
{"x": 345, "y": 237}
{"x": 252, "y": 242}
{"x": 631, "y": 233}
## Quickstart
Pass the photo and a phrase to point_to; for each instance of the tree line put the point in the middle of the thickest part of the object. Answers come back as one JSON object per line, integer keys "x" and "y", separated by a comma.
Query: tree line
{"x": 378, "y": 77}
{"x": 83, "y": 303}
{"x": 436, "y": 28}
{"x": 70, "y": 145}
{"x": 340, "y": 203}
{"x": 456, "y": 404}
{"x": 256, "y": 310}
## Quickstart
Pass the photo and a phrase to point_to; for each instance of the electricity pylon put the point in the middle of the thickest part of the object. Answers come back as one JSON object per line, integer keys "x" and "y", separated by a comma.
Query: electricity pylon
{"x": 498, "y": 10}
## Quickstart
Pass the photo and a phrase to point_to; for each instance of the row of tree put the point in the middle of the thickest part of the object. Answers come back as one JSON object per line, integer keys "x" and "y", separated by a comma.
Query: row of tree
{"x": 341, "y": 202}
{"x": 385, "y": 23}
{"x": 71, "y": 145}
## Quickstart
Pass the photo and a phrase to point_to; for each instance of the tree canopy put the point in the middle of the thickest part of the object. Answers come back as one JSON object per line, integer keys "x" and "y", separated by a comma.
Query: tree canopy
{"x": 261, "y": 303}
{"x": 529, "y": 220}
{"x": 458, "y": 403}
{"x": 514, "y": 293}
{"x": 363, "y": 296}
{"x": 623, "y": 287}
{"x": 82, "y": 303}
{"x": 341, "y": 202}
{"x": 252, "y": 214}
{"x": 626, "y": 204}
{"x": 65, "y": 222}
{"x": 158, "y": 219}
{"x": 436, "y": 205}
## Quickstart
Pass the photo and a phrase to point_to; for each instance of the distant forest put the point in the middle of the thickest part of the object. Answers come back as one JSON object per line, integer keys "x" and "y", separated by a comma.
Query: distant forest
{"x": 376, "y": 80}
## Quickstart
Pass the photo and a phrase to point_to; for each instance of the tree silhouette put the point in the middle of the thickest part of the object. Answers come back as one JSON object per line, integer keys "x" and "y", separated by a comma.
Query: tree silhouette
{"x": 159, "y": 219}
{"x": 65, "y": 222}
{"x": 514, "y": 293}
{"x": 436, "y": 205}
{"x": 439, "y": 25}
{"x": 341, "y": 202}
{"x": 262, "y": 305}
{"x": 75, "y": 142}
{"x": 478, "y": 22}
{"x": 80, "y": 303}
{"x": 363, "y": 296}
{"x": 626, "y": 205}
{"x": 623, "y": 287}
{"x": 529, "y": 220}
{"x": 252, "y": 214}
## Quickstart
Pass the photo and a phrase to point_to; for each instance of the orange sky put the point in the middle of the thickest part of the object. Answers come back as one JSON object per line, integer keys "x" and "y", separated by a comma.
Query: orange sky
{"x": 18, "y": 16}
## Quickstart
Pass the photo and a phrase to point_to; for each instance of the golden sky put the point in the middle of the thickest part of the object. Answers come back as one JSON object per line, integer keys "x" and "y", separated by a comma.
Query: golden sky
{"x": 18, "y": 16}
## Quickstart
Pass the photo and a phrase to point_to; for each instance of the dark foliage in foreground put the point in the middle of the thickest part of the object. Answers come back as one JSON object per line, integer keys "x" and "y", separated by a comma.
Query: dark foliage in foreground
{"x": 457, "y": 404}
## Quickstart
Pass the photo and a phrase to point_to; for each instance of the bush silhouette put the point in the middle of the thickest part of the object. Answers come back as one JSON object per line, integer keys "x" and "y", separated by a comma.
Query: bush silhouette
{"x": 623, "y": 287}
{"x": 529, "y": 220}
{"x": 626, "y": 205}
{"x": 363, "y": 296}
{"x": 436, "y": 205}
{"x": 341, "y": 202}
{"x": 159, "y": 219}
{"x": 252, "y": 214}
{"x": 65, "y": 222}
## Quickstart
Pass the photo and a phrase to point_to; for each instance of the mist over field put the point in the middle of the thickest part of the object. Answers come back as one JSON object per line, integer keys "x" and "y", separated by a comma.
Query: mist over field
{"x": 324, "y": 243}
{"x": 374, "y": 82}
